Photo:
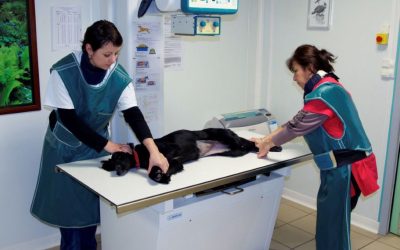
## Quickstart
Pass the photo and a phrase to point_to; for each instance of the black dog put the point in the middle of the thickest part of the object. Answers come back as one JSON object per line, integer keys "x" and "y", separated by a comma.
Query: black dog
{"x": 180, "y": 147}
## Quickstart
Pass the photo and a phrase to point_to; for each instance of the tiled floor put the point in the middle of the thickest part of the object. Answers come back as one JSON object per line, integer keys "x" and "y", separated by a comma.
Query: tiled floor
{"x": 98, "y": 238}
{"x": 295, "y": 229}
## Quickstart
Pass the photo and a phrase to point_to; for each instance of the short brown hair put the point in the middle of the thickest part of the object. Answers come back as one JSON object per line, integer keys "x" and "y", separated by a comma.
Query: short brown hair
{"x": 100, "y": 33}
{"x": 310, "y": 56}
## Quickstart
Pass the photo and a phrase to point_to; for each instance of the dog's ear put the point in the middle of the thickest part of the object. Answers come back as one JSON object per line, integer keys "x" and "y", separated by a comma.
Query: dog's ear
{"x": 121, "y": 162}
{"x": 108, "y": 165}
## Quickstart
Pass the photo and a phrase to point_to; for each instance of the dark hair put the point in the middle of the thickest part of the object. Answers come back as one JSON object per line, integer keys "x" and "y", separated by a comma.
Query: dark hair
{"x": 310, "y": 56}
{"x": 100, "y": 33}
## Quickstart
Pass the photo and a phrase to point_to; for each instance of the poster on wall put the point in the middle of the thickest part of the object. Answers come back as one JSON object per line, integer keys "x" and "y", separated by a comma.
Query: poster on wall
{"x": 319, "y": 14}
{"x": 172, "y": 47}
{"x": 66, "y": 27}
{"x": 148, "y": 70}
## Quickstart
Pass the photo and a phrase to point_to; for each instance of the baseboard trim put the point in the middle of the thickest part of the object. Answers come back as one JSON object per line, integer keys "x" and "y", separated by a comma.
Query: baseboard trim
{"x": 47, "y": 242}
{"x": 37, "y": 244}
{"x": 310, "y": 202}
{"x": 299, "y": 198}
{"x": 365, "y": 223}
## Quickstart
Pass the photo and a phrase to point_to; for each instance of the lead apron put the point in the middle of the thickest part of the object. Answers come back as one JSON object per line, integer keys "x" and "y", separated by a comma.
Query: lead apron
{"x": 59, "y": 200}
{"x": 333, "y": 200}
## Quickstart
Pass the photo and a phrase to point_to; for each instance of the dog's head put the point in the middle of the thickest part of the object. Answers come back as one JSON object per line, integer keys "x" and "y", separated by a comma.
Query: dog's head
{"x": 120, "y": 162}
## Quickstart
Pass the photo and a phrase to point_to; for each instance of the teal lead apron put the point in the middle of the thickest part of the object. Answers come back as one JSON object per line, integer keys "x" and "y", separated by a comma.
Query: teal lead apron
{"x": 59, "y": 200}
{"x": 333, "y": 200}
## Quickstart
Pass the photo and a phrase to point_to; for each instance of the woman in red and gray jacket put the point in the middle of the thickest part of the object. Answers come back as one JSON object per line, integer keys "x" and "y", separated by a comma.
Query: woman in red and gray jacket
{"x": 330, "y": 124}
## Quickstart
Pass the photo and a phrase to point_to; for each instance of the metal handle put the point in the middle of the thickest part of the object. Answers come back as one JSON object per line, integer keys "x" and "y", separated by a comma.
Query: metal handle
{"x": 233, "y": 192}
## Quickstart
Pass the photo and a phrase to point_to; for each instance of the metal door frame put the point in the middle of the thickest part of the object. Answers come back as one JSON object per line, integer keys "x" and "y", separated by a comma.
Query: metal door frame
{"x": 392, "y": 156}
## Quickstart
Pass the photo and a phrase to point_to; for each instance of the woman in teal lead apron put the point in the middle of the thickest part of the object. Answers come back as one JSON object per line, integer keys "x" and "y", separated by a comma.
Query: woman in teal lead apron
{"x": 84, "y": 90}
{"x": 331, "y": 126}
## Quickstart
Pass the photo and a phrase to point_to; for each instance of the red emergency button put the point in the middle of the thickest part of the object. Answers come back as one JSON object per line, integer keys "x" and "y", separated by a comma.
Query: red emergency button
{"x": 382, "y": 38}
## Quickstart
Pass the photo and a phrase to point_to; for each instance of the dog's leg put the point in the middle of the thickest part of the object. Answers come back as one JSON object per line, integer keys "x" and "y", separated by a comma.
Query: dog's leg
{"x": 157, "y": 175}
{"x": 174, "y": 167}
{"x": 224, "y": 136}
{"x": 237, "y": 145}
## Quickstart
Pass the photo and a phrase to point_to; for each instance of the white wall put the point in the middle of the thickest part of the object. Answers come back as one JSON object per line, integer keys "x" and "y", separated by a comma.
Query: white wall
{"x": 22, "y": 137}
{"x": 351, "y": 38}
{"x": 221, "y": 74}
{"x": 218, "y": 73}
{"x": 217, "y": 77}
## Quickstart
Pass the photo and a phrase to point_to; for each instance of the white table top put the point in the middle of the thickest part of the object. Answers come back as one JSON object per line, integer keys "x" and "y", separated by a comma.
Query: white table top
{"x": 135, "y": 190}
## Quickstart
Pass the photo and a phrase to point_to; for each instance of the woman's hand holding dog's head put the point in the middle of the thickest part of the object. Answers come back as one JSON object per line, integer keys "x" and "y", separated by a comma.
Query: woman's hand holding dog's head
{"x": 112, "y": 147}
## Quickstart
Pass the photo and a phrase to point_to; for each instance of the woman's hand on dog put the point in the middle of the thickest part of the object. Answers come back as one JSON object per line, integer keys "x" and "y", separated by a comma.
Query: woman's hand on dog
{"x": 264, "y": 145}
{"x": 156, "y": 158}
{"x": 112, "y": 147}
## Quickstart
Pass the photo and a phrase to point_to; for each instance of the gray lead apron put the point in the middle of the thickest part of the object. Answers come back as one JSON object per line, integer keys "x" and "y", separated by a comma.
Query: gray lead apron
{"x": 59, "y": 200}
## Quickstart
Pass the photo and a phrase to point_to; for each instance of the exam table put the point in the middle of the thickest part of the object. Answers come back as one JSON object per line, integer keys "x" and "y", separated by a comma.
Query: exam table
{"x": 199, "y": 209}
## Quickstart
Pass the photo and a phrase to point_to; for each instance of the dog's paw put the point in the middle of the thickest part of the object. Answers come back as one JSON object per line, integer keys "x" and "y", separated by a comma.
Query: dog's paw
{"x": 157, "y": 175}
{"x": 276, "y": 149}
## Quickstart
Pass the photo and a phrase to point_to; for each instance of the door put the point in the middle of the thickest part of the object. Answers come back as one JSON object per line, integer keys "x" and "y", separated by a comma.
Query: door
{"x": 389, "y": 214}
{"x": 395, "y": 215}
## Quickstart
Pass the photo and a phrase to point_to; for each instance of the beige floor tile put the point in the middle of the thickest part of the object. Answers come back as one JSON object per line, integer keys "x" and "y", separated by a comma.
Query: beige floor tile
{"x": 307, "y": 246}
{"x": 391, "y": 240}
{"x": 358, "y": 241}
{"x": 277, "y": 246}
{"x": 295, "y": 228}
{"x": 291, "y": 236}
{"x": 288, "y": 213}
{"x": 279, "y": 223}
{"x": 306, "y": 223}
{"x": 376, "y": 245}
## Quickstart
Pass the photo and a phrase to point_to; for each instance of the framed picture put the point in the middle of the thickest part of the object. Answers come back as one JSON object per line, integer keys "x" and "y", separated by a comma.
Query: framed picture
{"x": 319, "y": 14}
{"x": 19, "y": 78}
